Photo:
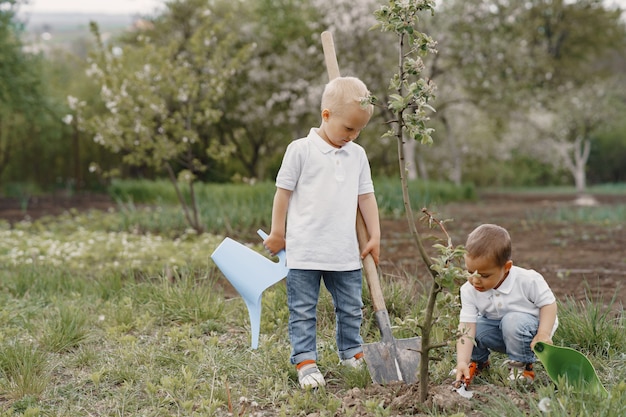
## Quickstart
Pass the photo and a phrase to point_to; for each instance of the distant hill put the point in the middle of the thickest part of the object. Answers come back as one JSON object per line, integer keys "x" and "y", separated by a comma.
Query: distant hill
{"x": 38, "y": 22}
{"x": 47, "y": 31}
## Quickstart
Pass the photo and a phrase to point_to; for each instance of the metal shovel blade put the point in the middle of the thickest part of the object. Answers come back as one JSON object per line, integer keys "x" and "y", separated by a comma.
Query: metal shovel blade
{"x": 393, "y": 361}
{"x": 390, "y": 359}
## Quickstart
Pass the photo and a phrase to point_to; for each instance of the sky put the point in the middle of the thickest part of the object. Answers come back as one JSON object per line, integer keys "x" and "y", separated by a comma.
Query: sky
{"x": 125, "y": 6}
{"x": 93, "y": 6}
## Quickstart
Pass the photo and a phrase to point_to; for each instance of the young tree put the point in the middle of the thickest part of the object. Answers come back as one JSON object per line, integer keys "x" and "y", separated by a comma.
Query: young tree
{"x": 409, "y": 99}
{"x": 161, "y": 95}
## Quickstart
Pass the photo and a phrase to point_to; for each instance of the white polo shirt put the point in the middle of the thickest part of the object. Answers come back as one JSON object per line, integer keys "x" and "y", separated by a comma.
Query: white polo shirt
{"x": 523, "y": 290}
{"x": 325, "y": 182}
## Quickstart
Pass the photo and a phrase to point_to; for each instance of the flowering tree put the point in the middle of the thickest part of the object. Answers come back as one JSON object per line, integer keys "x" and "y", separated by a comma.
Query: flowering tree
{"x": 161, "y": 95}
{"x": 518, "y": 59}
{"x": 570, "y": 124}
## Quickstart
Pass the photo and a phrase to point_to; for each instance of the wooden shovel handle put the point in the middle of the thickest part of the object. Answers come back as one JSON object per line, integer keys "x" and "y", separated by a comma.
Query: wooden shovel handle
{"x": 369, "y": 266}
{"x": 330, "y": 57}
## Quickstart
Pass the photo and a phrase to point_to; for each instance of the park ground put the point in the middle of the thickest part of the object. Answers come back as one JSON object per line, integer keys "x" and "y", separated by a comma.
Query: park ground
{"x": 581, "y": 260}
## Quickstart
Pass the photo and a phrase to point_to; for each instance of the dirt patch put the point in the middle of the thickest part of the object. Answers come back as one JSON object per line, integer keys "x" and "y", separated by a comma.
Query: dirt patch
{"x": 15, "y": 210}
{"x": 403, "y": 399}
{"x": 578, "y": 260}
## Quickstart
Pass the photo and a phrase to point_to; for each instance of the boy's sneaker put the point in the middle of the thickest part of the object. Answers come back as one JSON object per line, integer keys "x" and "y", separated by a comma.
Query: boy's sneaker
{"x": 520, "y": 371}
{"x": 355, "y": 362}
{"x": 309, "y": 376}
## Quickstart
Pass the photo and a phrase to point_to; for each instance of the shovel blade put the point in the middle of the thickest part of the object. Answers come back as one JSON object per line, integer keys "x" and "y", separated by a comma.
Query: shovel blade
{"x": 393, "y": 361}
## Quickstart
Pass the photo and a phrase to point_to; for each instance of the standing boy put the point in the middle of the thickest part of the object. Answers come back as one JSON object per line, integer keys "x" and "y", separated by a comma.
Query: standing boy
{"x": 323, "y": 179}
{"x": 504, "y": 308}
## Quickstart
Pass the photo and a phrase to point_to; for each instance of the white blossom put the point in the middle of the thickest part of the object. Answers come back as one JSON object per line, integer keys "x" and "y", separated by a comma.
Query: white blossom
{"x": 72, "y": 102}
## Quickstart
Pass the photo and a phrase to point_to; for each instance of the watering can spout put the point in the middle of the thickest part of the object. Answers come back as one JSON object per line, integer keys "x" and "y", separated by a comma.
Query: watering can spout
{"x": 250, "y": 273}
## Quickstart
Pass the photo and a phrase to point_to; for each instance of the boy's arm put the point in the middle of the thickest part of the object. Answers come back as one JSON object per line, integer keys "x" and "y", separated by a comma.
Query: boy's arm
{"x": 547, "y": 317}
{"x": 276, "y": 239}
{"x": 369, "y": 210}
{"x": 464, "y": 347}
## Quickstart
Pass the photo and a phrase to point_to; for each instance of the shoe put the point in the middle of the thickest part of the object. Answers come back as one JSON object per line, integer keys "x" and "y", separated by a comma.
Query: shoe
{"x": 520, "y": 371}
{"x": 355, "y": 362}
{"x": 309, "y": 376}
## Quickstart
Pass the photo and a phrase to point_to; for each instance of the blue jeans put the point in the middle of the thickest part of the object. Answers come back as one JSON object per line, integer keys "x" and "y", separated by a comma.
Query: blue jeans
{"x": 511, "y": 335}
{"x": 303, "y": 287}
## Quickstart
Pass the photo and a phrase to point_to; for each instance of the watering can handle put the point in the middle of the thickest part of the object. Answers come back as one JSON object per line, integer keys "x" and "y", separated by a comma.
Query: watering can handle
{"x": 282, "y": 255}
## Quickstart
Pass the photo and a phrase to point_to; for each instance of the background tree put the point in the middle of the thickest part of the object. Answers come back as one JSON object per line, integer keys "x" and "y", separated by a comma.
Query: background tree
{"x": 21, "y": 96}
{"x": 499, "y": 64}
{"x": 271, "y": 99}
{"x": 573, "y": 121}
{"x": 161, "y": 95}
{"x": 37, "y": 150}
{"x": 516, "y": 57}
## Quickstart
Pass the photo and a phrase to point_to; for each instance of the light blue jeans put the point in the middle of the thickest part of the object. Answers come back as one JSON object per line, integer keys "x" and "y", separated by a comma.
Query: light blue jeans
{"x": 303, "y": 288}
{"x": 511, "y": 335}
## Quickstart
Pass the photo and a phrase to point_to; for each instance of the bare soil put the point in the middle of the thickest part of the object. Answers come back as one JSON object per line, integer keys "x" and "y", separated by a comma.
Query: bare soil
{"x": 579, "y": 261}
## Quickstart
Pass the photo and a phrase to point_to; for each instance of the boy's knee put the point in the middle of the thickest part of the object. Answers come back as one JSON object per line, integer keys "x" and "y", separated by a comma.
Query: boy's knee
{"x": 517, "y": 322}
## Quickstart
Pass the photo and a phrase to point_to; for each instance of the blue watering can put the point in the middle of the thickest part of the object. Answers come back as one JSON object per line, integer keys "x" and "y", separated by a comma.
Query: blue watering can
{"x": 250, "y": 273}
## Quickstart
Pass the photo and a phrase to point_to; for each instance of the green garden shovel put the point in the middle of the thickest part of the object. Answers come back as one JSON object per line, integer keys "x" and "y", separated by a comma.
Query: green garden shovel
{"x": 567, "y": 366}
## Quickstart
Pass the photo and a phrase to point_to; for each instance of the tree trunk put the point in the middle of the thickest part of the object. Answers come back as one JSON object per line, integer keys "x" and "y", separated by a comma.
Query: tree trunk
{"x": 456, "y": 158}
{"x": 410, "y": 165}
{"x": 582, "y": 147}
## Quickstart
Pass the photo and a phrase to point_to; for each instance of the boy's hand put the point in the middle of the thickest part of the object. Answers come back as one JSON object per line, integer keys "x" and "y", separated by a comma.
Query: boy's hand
{"x": 462, "y": 374}
{"x": 274, "y": 244}
{"x": 545, "y": 338}
{"x": 373, "y": 248}
{"x": 547, "y": 318}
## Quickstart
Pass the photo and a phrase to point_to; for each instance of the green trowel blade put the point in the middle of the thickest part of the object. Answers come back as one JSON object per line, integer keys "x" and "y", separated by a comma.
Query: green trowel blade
{"x": 566, "y": 365}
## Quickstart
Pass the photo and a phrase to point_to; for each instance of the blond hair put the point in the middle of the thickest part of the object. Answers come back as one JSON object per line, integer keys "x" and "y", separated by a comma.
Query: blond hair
{"x": 490, "y": 241}
{"x": 343, "y": 91}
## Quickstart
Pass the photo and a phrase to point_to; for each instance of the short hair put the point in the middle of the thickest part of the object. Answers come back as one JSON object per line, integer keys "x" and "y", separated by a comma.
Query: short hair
{"x": 343, "y": 91}
{"x": 491, "y": 241}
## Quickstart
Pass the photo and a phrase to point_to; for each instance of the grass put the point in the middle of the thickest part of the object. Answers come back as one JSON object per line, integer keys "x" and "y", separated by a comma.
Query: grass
{"x": 157, "y": 347}
{"x": 614, "y": 188}
{"x": 235, "y": 208}
{"x": 101, "y": 315}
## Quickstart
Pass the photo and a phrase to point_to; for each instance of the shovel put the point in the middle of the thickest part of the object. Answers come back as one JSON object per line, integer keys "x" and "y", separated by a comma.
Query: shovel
{"x": 566, "y": 365}
{"x": 390, "y": 359}
{"x": 250, "y": 273}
